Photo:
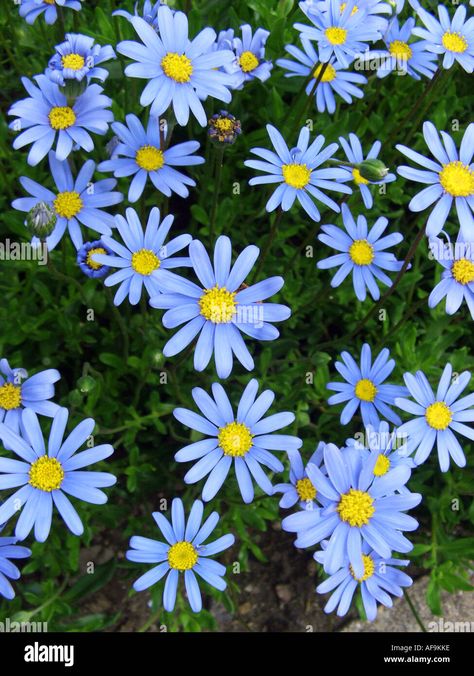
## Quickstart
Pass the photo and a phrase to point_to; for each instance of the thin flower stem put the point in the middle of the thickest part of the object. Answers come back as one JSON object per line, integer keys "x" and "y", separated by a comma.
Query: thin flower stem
{"x": 402, "y": 125}
{"x": 415, "y": 125}
{"x": 217, "y": 187}
{"x": 391, "y": 289}
{"x": 413, "y": 308}
{"x": 154, "y": 617}
{"x": 302, "y": 91}
{"x": 61, "y": 24}
{"x": 347, "y": 337}
{"x": 304, "y": 112}
{"x": 271, "y": 237}
{"x": 121, "y": 323}
{"x": 413, "y": 609}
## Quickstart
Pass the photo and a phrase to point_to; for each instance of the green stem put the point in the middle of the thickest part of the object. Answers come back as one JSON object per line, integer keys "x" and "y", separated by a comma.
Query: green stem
{"x": 121, "y": 323}
{"x": 65, "y": 278}
{"x": 414, "y": 611}
{"x": 151, "y": 620}
{"x": 300, "y": 118}
{"x": 52, "y": 598}
{"x": 271, "y": 237}
{"x": 217, "y": 186}
{"x": 429, "y": 87}
{"x": 391, "y": 289}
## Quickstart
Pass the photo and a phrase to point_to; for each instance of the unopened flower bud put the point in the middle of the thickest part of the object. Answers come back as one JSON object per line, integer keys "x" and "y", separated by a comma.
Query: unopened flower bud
{"x": 224, "y": 128}
{"x": 372, "y": 170}
{"x": 85, "y": 384}
{"x": 41, "y": 220}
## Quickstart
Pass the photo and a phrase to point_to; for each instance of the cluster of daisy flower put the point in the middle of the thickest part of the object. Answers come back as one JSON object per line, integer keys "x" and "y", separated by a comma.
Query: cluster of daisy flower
{"x": 43, "y": 471}
{"x": 352, "y": 500}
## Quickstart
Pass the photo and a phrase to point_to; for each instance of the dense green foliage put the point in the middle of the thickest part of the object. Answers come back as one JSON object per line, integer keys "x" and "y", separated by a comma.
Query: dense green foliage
{"x": 113, "y": 369}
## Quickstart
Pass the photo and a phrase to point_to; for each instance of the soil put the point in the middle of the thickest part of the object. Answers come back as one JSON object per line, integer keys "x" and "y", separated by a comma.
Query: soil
{"x": 277, "y": 596}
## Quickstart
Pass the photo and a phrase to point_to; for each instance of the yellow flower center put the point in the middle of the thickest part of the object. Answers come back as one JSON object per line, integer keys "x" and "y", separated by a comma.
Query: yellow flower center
{"x": 61, "y": 117}
{"x": 455, "y": 42}
{"x": 305, "y": 489}
{"x": 235, "y": 439}
{"x": 296, "y": 175}
{"x": 145, "y": 262}
{"x": 46, "y": 474}
{"x": 248, "y": 62}
{"x": 49, "y": 2}
{"x": 382, "y": 465}
{"x": 400, "y": 50}
{"x": 361, "y": 252}
{"x": 358, "y": 178}
{"x": 177, "y": 67}
{"x": 365, "y": 390}
{"x": 438, "y": 415}
{"x": 218, "y": 305}
{"x": 67, "y": 204}
{"x": 223, "y": 124}
{"x": 356, "y": 508}
{"x": 92, "y": 264}
{"x": 457, "y": 179}
{"x": 10, "y": 396}
{"x": 328, "y": 75}
{"x": 73, "y": 61}
{"x": 463, "y": 271}
{"x": 335, "y": 35}
{"x": 182, "y": 556}
{"x": 149, "y": 158}
{"x": 355, "y": 9}
{"x": 369, "y": 569}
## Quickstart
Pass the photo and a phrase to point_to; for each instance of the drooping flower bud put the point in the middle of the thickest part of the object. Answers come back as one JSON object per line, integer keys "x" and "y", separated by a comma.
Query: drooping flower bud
{"x": 372, "y": 170}
{"x": 41, "y": 220}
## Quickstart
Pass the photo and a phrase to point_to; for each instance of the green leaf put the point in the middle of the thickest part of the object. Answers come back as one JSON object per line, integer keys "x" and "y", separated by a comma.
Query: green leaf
{"x": 91, "y": 583}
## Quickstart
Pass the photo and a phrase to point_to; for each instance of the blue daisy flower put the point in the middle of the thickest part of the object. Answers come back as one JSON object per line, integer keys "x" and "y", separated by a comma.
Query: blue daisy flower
{"x": 250, "y": 60}
{"x": 297, "y": 172}
{"x": 148, "y": 11}
{"x": 390, "y": 447}
{"x": 220, "y": 309}
{"x": 180, "y": 71}
{"x": 46, "y": 117}
{"x": 245, "y": 439}
{"x": 300, "y": 489}
{"x": 19, "y": 391}
{"x": 334, "y": 78}
{"x": 30, "y": 10}
{"x": 452, "y": 37}
{"x": 398, "y": 5}
{"x": 144, "y": 257}
{"x": 457, "y": 280}
{"x": 10, "y": 550}
{"x": 343, "y": 34}
{"x": 371, "y": 9}
{"x": 359, "y": 509}
{"x": 449, "y": 178}
{"x": 380, "y": 580}
{"x": 143, "y": 158}
{"x": 365, "y": 387}
{"x": 74, "y": 201}
{"x": 185, "y": 551}
{"x": 404, "y": 56}
{"x": 77, "y": 58}
{"x": 362, "y": 253}
{"x": 437, "y": 417}
{"x": 355, "y": 155}
{"x": 88, "y": 266}
{"x": 45, "y": 476}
